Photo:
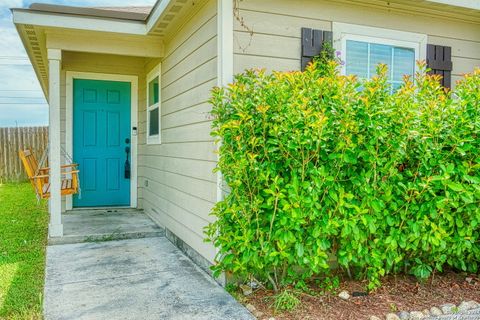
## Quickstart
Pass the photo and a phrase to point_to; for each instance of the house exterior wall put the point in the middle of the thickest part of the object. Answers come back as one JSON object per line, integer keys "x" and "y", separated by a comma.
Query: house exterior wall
{"x": 177, "y": 185}
{"x": 276, "y": 24}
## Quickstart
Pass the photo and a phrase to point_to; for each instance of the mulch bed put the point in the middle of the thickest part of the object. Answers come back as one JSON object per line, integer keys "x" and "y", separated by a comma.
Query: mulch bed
{"x": 400, "y": 293}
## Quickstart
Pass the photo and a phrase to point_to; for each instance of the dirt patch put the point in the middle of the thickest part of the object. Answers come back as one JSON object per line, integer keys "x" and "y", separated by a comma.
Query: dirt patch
{"x": 398, "y": 293}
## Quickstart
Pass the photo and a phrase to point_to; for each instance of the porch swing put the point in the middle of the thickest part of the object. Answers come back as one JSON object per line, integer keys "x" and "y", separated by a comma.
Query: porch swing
{"x": 39, "y": 175}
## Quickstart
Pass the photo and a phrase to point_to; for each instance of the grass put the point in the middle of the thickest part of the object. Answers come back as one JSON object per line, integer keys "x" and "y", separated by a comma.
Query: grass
{"x": 23, "y": 239}
{"x": 285, "y": 301}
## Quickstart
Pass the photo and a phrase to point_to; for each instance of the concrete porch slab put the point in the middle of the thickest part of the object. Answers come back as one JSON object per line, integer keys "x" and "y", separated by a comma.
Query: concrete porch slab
{"x": 93, "y": 225}
{"x": 132, "y": 279}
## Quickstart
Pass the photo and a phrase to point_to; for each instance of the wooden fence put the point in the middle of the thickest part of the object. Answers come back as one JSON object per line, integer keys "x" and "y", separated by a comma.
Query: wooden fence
{"x": 14, "y": 139}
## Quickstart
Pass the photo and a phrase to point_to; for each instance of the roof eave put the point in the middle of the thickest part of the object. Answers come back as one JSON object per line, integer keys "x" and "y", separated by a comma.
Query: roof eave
{"x": 90, "y": 11}
{"x": 76, "y": 20}
{"x": 41, "y": 79}
{"x": 156, "y": 13}
{"x": 467, "y": 4}
{"x": 58, "y": 20}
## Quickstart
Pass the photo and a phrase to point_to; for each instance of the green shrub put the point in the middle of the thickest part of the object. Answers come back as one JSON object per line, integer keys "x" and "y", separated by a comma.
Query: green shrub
{"x": 318, "y": 165}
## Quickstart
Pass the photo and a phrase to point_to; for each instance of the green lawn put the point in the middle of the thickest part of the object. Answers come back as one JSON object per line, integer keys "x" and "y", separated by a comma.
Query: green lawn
{"x": 23, "y": 238}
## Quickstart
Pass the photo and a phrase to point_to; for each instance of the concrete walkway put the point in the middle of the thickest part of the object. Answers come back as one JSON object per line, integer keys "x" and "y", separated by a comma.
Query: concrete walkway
{"x": 132, "y": 279}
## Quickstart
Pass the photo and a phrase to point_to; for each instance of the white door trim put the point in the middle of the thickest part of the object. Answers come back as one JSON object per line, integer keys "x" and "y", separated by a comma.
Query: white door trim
{"x": 70, "y": 76}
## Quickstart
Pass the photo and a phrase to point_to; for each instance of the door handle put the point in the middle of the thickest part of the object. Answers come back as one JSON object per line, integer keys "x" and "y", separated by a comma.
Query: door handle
{"x": 127, "y": 163}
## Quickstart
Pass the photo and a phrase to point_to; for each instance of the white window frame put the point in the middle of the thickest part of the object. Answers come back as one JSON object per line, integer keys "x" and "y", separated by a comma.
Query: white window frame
{"x": 344, "y": 31}
{"x": 155, "y": 72}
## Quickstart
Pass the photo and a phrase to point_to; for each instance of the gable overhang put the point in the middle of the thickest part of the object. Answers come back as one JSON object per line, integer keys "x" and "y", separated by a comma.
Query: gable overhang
{"x": 98, "y": 30}
{"x": 37, "y": 39}
{"x": 80, "y": 32}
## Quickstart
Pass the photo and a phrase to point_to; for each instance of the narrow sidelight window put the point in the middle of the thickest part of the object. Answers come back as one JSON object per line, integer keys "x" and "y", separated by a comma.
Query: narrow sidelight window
{"x": 154, "y": 113}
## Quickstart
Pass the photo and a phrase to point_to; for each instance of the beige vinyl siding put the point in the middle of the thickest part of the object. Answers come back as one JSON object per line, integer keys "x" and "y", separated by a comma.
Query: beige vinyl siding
{"x": 276, "y": 26}
{"x": 181, "y": 184}
{"x": 98, "y": 63}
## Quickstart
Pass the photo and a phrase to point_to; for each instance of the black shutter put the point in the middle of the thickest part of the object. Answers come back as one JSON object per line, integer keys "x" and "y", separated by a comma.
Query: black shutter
{"x": 312, "y": 44}
{"x": 439, "y": 60}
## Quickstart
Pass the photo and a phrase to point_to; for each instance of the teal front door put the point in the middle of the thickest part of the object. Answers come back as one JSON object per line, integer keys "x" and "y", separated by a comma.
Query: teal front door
{"x": 101, "y": 141}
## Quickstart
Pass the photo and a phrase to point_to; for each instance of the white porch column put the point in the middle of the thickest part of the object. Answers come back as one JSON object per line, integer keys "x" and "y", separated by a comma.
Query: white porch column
{"x": 55, "y": 205}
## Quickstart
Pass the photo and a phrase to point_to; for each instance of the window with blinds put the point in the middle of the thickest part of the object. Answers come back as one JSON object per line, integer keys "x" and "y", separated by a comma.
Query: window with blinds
{"x": 363, "y": 48}
{"x": 362, "y": 59}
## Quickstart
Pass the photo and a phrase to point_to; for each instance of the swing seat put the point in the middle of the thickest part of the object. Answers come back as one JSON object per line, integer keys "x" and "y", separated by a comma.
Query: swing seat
{"x": 40, "y": 177}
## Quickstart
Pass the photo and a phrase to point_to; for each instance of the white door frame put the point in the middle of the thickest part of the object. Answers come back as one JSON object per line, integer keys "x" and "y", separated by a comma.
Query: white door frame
{"x": 70, "y": 76}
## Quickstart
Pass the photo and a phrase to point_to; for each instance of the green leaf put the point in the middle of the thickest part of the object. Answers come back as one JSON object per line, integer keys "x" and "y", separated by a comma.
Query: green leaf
{"x": 300, "y": 249}
{"x": 377, "y": 205}
{"x": 455, "y": 186}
